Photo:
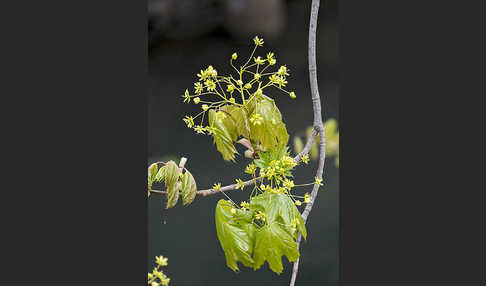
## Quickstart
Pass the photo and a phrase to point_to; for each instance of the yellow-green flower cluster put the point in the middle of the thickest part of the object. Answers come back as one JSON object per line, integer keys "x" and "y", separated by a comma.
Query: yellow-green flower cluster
{"x": 157, "y": 276}
{"x": 261, "y": 216}
{"x": 278, "y": 168}
{"x": 250, "y": 169}
{"x": 239, "y": 89}
{"x": 245, "y": 205}
{"x": 239, "y": 184}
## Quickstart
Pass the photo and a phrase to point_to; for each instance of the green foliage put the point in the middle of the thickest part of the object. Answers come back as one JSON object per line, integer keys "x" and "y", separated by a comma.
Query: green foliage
{"x": 173, "y": 194}
{"x": 271, "y": 131}
{"x": 222, "y": 137}
{"x": 189, "y": 188}
{"x": 281, "y": 209}
{"x": 172, "y": 173}
{"x": 175, "y": 182}
{"x": 267, "y": 227}
{"x": 235, "y": 233}
{"x": 152, "y": 172}
{"x": 265, "y": 158}
{"x": 252, "y": 239}
{"x": 332, "y": 141}
{"x": 241, "y": 108}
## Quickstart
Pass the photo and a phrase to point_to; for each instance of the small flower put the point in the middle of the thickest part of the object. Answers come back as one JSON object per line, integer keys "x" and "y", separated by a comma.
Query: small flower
{"x": 245, "y": 205}
{"x": 220, "y": 115}
{"x": 202, "y": 75}
{"x": 239, "y": 184}
{"x": 187, "y": 97}
{"x": 196, "y": 100}
{"x": 280, "y": 80}
{"x": 257, "y": 76}
{"x": 217, "y": 186}
{"x": 247, "y": 86}
{"x": 232, "y": 100}
{"x": 160, "y": 260}
{"x": 189, "y": 121}
{"x": 261, "y": 215}
{"x": 150, "y": 276}
{"x": 292, "y": 94}
{"x": 230, "y": 88}
{"x": 298, "y": 203}
{"x": 239, "y": 82}
{"x": 198, "y": 88}
{"x": 256, "y": 119}
{"x": 205, "y": 107}
{"x": 211, "y": 130}
{"x": 258, "y": 41}
{"x": 271, "y": 57}
{"x": 282, "y": 71}
{"x": 259, "y": 92}
{"x": 234, "y": 56}
{"x": 199, "y": 129}
{"x": 307, "y": 198}
{"x": 305, "y": 158}
{"x": 165, "y": 281}
{"x": 259, "y": 60}
{"x": 250, "y": 169}
{"x": 288, "y": 184}
{"x": 210, "y": 85}
{"x": 157, "y": 273}
{"x": 318, "y": 181}
{"x": 294, "y": 223}
{"x": 211, "y": 71}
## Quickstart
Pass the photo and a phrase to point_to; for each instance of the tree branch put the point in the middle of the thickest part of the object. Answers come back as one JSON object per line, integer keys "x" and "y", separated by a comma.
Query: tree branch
{"x": 318, "y": 127}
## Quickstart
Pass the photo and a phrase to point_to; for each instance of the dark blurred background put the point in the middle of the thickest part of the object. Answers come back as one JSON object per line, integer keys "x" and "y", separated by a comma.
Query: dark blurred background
{"x": 186, "y": 36}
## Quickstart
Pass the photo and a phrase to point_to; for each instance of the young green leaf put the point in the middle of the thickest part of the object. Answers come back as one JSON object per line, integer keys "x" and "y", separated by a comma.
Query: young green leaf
{"x": 278, "y": 236}
{"x": 276, "y": 153}
{"x": 161, "y": 174}
{"x": 281, "y": 209}
{"x": 189, "y": 188}
{"x": 173, "y": 194}
{"x": 270, "y": 130}
{"x": 240, "y": 118}
{"x": 271, "y": 242}
{"x": 222, "y": 137}
{"x": 152, "y": 171}
{"x": 171, "y": 174}
{"x": 235, "y": 232}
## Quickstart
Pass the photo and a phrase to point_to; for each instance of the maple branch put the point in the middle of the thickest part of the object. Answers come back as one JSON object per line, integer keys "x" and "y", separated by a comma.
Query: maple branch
{"x": 317, "y": 127}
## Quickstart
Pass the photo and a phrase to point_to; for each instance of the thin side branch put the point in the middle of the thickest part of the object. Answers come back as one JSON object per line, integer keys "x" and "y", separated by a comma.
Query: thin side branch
{"x": 318, "y": 127}
{"x": 231, "y": 187}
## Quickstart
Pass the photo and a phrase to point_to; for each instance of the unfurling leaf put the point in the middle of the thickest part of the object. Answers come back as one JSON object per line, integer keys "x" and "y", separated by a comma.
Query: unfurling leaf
{"x": 270, "y": 131}
{"x": 243, "y": 241}
{"x": 152, "y": 171}
{"x": 240, "y": 119}
{"x": 270, "y": 244}
{"x": 298, "y": 144}
{"x": 171, "y": 174}
{"x": 189, "y": 188}
{"x": 222, "y": 137}
{"x": 161, "y": 174}
{"x": 277, "y": 237}
{"x": 172, "y": 182}
{"x": 173, "y": 194}
{"x": 281, "y": 209}
{"x": 235, "y": 232}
